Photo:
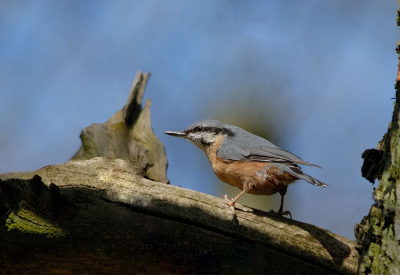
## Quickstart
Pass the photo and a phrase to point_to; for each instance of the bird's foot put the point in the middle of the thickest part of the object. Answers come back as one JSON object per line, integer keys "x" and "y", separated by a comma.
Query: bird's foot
{"x": 231, "y": 204}
{"x": 281, "y": 213}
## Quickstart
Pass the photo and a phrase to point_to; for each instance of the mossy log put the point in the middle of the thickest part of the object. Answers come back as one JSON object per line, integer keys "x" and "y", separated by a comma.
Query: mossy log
{"x": 100, "y": 216}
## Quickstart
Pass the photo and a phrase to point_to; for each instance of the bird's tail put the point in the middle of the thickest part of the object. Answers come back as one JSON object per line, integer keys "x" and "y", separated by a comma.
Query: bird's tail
{"x": 297, "y": 173}
{"x": 311, "y": 180}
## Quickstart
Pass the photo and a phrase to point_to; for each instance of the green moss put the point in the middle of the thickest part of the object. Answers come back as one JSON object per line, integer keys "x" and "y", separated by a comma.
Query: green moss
{"x": 88, "y": 147}
{"x": 28, "y": 222}
{"x": 381, "y": 249}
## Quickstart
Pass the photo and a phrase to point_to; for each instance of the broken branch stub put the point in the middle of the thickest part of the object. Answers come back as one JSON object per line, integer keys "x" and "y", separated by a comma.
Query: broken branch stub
{"x": 128, "y": 135}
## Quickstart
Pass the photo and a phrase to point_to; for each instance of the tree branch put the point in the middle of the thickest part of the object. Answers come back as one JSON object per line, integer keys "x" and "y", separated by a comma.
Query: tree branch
{"x": 101, "y": 216}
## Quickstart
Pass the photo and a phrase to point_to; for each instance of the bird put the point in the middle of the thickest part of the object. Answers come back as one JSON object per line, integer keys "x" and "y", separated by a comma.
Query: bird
{"x": 247, "y": 161}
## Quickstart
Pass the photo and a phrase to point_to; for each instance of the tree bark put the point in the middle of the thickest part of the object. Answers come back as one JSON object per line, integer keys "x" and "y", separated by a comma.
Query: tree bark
{"x": 379, "y": 233}
{"x": 100, "y": 216}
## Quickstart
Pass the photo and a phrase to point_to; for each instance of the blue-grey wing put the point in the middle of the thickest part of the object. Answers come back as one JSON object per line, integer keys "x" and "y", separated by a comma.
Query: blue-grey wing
{"x": 246, "y": 146}
{"x": 232, "y": 153}
{"x": 238, "y": 146}
{"x": 233, "y": 150}
{"x": 275, "y": 155}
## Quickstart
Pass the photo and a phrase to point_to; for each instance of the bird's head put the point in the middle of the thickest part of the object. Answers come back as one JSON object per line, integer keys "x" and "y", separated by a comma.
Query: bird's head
{"x": 204, "y": 133}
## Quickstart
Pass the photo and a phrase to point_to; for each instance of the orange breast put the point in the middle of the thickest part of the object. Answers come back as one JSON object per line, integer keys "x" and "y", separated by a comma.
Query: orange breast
{"x": 264, "y": 180}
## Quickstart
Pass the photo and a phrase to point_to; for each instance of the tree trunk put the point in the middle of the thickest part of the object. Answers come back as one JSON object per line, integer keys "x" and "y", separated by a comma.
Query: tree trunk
{"x": 379, "y": 232}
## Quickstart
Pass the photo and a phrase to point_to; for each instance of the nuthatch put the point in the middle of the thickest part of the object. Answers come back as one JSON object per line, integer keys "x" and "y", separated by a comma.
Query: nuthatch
{"x": 249, "y": 162}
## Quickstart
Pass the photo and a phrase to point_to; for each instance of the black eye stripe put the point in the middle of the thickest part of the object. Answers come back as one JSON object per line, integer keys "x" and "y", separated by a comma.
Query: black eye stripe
{"x": 211, "y": 130}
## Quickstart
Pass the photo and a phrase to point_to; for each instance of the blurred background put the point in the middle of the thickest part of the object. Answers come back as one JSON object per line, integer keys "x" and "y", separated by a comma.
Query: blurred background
{"x": 313, "y": 77}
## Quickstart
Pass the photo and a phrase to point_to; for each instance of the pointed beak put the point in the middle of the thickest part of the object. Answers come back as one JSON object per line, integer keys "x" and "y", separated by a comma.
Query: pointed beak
{"x": 176, "y": 133}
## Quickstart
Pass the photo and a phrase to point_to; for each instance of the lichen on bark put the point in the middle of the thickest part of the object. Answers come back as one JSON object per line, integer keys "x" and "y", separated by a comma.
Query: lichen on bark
{"x": 379, "y": 232}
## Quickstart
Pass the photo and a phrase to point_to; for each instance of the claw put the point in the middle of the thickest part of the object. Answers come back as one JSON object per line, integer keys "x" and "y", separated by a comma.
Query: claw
{"x": 281, "y": 213}
{"x": 231, "y": 204}
{"x": 285, "y": 213}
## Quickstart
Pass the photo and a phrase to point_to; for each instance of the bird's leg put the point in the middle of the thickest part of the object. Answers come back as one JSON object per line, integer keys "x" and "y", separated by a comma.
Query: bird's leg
{"x": 281, "y": 208}
{"x": 282, "y": 192}
{"x": 231, "y": 204}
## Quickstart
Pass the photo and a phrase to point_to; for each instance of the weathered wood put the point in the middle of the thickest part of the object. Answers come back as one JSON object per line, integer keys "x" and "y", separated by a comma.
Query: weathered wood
{"x": 101, "y": 217}
{"x": 128, "y": 135}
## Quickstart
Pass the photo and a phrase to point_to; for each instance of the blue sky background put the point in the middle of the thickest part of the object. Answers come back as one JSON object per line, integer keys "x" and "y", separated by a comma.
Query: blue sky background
{"x": 314, "y": 77}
